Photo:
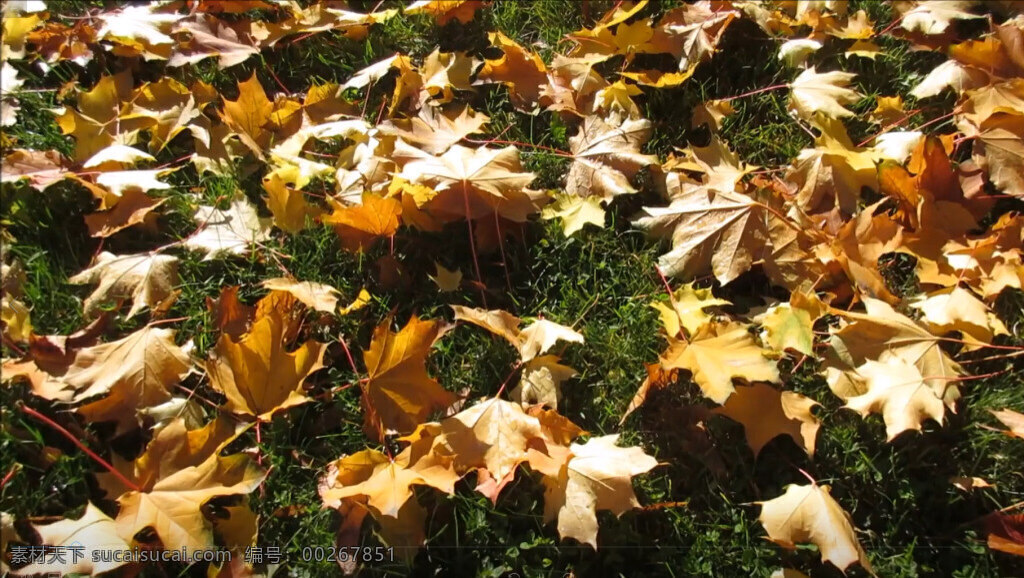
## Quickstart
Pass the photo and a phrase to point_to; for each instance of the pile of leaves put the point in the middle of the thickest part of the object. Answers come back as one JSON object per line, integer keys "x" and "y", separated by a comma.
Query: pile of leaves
{"x": 398, "y": 149}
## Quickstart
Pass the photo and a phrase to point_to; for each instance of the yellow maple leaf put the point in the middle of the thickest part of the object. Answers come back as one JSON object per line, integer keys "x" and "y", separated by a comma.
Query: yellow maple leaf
{"x": 767, "y": 413}
{"x": 147, "y": 279}
{"x": 822, "y": 92}
{"x": 399, "y": 394}
{"x": 810, "y": 514}
{"x": 791, "y": 325}
{"x": 360, "y": 225}
{"x": 597, "y": 476}
{"x": 686, "y": 310}
{"x": 257, "y": 374}
{"x": 897, "y": 390}
{"x": 718, "y": 354}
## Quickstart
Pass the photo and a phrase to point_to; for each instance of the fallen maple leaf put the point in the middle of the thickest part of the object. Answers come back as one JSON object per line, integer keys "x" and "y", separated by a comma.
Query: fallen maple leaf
{"x": 208, "y": 37}
{"x": 716, "y": 355}
{"x": 473, "y": 183}
{"x": 134, "y": 208}
{"x": 112, "y": 186}
{"x": 791, "y": 325}
{"x": 969, "y": 484}
{"x": 615, "y": 101}
{"x": 1011, "y": 419}
{"x": 767, "y": 413}
{"x": 692, "y": 32}
{"x": 435, "y": 130}
{"x": 876, "y": 335}
{"x": 233, "y": 230}
{"x": 257, "y": 374}
{"x": 15, "y": 316}
{"x": 172, "y": 506}
{"x": 288, "y": 205}
{"x": 134, "y": 373}
{"x": 898, "y": 391}
{"x": 572, "y": 83}
{"x": 721, "y": 168}
{"x": 859, "y": 244}
{"x": 232, "y": 317}
{"x": 40, "y": 168}
{"x": 717, "y": 230}
{"x": 147, "y": 279}
{"x": 1001, "y": 152}
{"x": 386, "y": 484}
{"x": 832, "y": 174}
{"x": 533, "y": 340}
{"x": 91, "y": 536}
{"x": 934, "y": 17}
{"x": 446, "y": 10}
{"x": 575, "y": 212}
{"x": 522, "y": 71}
{"x": 957, "y": 309}
{"x": 497, "y": 321}
{"x": 139, "y": 30}
{"x": 541, "y": 382}
{"x": 598, "y": 476}
{"x": 950, "y": 74}
{"x": 56, "y": 41}
{"x": 888, "y": 110}
{"x": 117, "y": 155}
{"x": 10, "y": 83}
{"x": 170, "y": 497}
{"x": 318, "y": 296}
{"x": 248, "y": 114}
{"x": 541, "y": 335}
{"x": 659, "y": 79}
{"x": 1005, "y": 532}
{"x": 361, "y": 300}
{"x": 399, "y": 394}
{"x": 492, "y": 434}
{"x": 796, "y": 51}
{"x": 711, "y": 113}
{"x": 810, "y": 514}
{"x": 96, "y": 123}
{"x": 444, "y": 72}
{"x": 369, "y": 482}
{"x": 446, "y": 279}
{"x": 687, "y": 309}
{"x": 813, "y": 92}
{"x": 215, "y": 150}
{"x": 360, "y": 225}
{"x": 606, "y": 156}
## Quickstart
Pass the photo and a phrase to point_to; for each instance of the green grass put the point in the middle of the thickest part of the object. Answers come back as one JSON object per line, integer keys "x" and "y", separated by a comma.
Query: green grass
{"x": 912, "y": 521}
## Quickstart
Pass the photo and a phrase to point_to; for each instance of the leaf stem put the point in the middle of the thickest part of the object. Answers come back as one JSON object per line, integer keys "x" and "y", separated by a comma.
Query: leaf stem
{"x": 472, "y": 247}
{"x": 757, "y": 91}
{"x": 551, "y": 150}
{"x": 992, "y": 357}
{"x": 808, "y": 476}
{"x": 192, "y": 393}
{"x": 664, "y": 281}
{"x": 95, "y": 457}
{"x": 14, "y": 347}
{"x": 889, "y": 127}
{"x": 785, "y": 220}
{"x": 962, "y": 342}
{"x": 501, "y": 246}
{"x": 10, "y": 475}
{"x": 348, "y": 354}
{"x": 515, "y": 368}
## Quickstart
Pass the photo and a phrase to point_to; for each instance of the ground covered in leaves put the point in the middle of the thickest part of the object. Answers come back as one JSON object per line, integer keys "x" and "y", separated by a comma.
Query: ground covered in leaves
{"x": 471, "y": 288}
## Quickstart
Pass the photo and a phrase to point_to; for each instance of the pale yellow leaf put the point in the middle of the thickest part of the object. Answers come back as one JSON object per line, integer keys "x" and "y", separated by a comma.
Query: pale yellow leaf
{"x": 810, "y": 514}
